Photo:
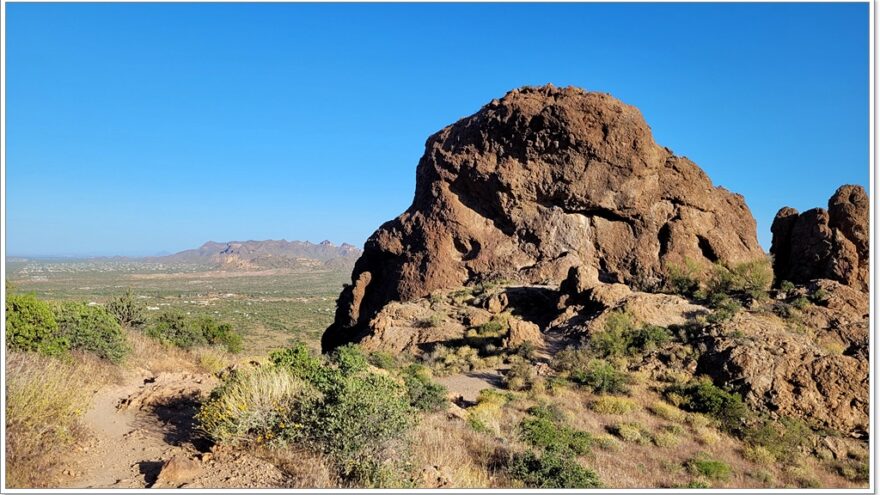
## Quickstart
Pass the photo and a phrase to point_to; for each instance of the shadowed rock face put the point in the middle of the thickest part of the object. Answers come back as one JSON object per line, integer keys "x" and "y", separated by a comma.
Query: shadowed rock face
{"x": 824, "y": 244}
{"x": 533, "y": 184}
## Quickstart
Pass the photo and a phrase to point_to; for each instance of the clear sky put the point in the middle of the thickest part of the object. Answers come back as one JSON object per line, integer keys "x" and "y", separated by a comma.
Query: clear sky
{"x": 140, "y": 128}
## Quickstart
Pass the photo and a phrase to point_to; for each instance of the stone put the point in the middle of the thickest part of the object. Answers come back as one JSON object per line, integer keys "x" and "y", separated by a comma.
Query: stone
{"x": 533, "y": 184}
{"x": 824, "y": 244}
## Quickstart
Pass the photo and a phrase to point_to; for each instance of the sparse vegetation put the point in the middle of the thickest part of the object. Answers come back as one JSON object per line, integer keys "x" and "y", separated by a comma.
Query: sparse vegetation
{"x": 177, "y": 329}
{"x": 704, "y": 465}
{"x": 612, "y": 405}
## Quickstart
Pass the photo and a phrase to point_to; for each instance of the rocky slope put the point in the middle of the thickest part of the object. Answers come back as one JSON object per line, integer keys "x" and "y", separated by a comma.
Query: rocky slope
{"x": 561, "y": 198}
{"x": 537, "y": 182}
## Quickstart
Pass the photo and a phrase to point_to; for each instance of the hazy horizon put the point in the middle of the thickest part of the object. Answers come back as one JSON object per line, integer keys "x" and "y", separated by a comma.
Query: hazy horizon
{"x": 134, "y": 129}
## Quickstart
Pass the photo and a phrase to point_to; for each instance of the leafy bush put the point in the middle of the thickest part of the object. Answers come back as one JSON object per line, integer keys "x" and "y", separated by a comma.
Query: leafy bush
{"x": 543, "y": 429}
{"x": 127, "y": 310}
{"x": 601, "y": 377}
{"x": 31, "y": 326}
{"x": 219, "y": 334}
{"x": 92, "y": 329}
{"x": 786, "y": 287}
{"x": 424, "y": 394}
{"x": 708, "y": 467}
{"x": 613, "y": 405}
{"x": 173, "y": 327}
{"x": 704, "y": 397}
{"x": 622, "y": 337}
{"x": 551, "y": 470}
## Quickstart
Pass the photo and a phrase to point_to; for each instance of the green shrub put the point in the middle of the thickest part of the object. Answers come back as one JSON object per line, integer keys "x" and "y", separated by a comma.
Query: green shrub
{"x": 601, "y": 377}
{"x": 543, "y": 429}
{"x": 683, "y": 280}
{"x": 127, "y": 310}
{"x": 820, "y": 296}
{"x": 424, "y": 394}
{"x": 614, "y": 340}
{"x": 92, "y": 329}
{"x": 704, "y": 397}
{"x": 649, "y": 338}
{"x": 219, "y": 334}
{"x": 800, "y": 302}
{"x": 384, "y": 360}
{"x": 302, "y": 363}
{"x": 31, "y": 326}
{"x": 551, "y": 470}
{"x": 361, "y": 418}
{"x": 786, "y": 287}
{"x": 752, "y": 279}
{"x": 173, "y": 327}
{"x": 357, "y": 424}
{"x": 780, "y": 438}
{"x": 708, "y": 467}
{"x": 725, "y": 308}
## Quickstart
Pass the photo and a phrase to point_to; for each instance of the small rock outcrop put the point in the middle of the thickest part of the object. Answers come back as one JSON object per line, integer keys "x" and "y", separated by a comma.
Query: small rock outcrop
{"x": 535, "y": 183}
{"x": 824, "y": 244}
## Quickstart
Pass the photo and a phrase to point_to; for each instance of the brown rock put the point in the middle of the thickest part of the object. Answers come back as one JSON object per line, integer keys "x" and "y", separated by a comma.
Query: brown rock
{"x": 784, "y": 372}
{"x": 824, "y": 244}
{"x": 177, "y": 471}
{"x": 533, "y": 184}
{"x": 522, "y": 332}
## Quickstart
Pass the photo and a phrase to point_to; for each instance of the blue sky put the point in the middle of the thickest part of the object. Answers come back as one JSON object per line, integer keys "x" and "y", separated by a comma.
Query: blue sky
{"x": 139, "y": 128}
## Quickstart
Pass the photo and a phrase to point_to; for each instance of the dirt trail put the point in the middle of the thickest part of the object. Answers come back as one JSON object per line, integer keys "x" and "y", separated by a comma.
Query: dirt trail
{"x": 134, "y": 428}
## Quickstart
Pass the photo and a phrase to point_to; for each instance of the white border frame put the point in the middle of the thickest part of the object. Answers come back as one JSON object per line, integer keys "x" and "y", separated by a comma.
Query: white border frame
{"x": 872, "y": 282}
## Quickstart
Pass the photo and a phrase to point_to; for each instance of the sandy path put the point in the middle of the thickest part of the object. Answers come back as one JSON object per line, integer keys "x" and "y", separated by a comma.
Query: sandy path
{"x": 136, "y": 427}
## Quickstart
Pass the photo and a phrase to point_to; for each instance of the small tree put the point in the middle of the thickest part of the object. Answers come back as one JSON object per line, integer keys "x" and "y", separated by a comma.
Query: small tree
{"x": 127, "y": 310}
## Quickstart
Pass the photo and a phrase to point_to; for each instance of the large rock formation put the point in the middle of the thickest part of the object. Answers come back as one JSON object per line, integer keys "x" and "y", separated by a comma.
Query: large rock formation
{"x": 824, "y": 244}
{"x": 537, "y": 182}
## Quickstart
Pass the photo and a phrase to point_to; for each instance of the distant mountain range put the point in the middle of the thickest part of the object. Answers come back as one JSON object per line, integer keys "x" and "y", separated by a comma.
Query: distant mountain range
{"x": 265, "y": 254}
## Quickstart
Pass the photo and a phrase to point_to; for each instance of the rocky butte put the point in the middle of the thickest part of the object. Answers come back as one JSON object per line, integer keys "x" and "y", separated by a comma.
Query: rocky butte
{"x": 551, "y": 208}
{"x": 533, "y": 184}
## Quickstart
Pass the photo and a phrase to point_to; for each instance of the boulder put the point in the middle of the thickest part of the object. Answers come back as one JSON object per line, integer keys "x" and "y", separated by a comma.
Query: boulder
{"x": 824, "y": 244}
{"x": 177, "y": 471}
{"x": 533, "y": 184}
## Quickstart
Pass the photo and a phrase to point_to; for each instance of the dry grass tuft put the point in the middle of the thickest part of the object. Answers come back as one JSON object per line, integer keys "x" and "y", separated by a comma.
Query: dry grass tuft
{"x": 459, "y": 451}
{"x": 45, "y": 398}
